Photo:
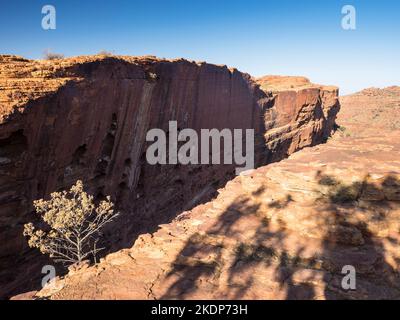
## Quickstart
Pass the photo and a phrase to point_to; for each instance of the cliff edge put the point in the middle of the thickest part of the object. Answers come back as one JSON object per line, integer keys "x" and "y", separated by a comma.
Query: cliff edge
{"x": 87, "y": 117}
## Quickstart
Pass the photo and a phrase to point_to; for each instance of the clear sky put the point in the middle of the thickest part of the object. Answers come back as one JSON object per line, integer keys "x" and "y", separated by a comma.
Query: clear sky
{"x": 287, "y": 37}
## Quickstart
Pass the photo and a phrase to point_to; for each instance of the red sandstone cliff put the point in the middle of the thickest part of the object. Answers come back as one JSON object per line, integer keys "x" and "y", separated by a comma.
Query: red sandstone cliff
{"x": 300, "y": 116}
{"x": 282, "y": 231}
{"x": 87, "y": 117}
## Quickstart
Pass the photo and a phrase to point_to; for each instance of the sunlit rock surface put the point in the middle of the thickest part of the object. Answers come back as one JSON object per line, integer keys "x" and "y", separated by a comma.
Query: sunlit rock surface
{"x": 87, "y": 117}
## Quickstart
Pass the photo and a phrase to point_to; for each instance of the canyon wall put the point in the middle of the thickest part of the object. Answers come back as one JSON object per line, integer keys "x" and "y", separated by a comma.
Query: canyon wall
{"x": 87, "y": 118}
{"x": 282, "y": 231}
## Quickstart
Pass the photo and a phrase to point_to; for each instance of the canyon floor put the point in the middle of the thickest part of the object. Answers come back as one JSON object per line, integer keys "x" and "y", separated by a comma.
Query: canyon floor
{"x": 283, "y": 231}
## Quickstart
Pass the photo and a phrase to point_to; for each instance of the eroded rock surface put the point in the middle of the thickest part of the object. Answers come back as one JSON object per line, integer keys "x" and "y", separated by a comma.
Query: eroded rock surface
{"x": 87, "y": 117}
{"x": 283, "y": 231}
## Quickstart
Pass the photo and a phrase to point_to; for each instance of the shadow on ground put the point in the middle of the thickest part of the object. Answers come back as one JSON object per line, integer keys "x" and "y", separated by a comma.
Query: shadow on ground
{"x": 357, "y": 221}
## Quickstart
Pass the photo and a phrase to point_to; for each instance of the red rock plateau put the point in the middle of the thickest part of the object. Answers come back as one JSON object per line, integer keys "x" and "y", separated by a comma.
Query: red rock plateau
{"x": 87, "y": 117}
{"x": 282, "y": 231}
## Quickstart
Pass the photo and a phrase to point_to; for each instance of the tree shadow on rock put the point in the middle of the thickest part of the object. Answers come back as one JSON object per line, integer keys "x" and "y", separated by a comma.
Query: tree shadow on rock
{"x": 246, "y": 255}
{"x": 219, "y": 261}
{"x": 362, "y": 222}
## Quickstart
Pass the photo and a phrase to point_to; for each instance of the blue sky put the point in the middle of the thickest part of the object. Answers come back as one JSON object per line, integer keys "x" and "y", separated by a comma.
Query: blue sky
{"x": 260, "y": 37}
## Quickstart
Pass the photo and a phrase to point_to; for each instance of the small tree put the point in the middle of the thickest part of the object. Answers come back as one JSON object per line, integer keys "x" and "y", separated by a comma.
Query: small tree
{"x": 105, "y": 53}
{"x": 48, "y": 55}
{"x": 74, "y": 222}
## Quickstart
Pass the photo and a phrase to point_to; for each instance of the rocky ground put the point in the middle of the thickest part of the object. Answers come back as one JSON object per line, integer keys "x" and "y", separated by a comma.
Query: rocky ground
{"x": 283, "y": 231}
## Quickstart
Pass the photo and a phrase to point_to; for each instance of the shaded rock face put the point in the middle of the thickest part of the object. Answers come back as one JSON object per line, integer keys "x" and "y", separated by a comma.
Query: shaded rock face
{"x": 282, "y": 231}
{"x": 87, "y": 118}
